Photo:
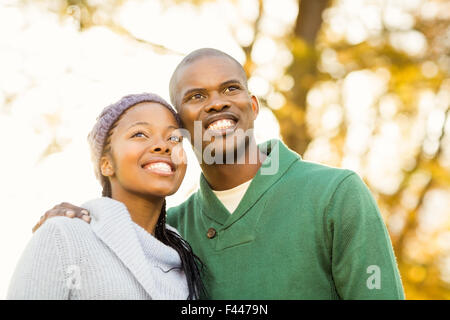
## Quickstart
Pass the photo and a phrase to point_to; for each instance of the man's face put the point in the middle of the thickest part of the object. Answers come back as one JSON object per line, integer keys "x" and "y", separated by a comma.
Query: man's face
{"x": 212, "y": 92}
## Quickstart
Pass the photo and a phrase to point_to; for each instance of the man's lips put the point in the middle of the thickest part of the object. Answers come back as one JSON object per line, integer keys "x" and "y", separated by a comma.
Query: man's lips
{"x": 221, "y": 121}
{"x": 159, "y": 166}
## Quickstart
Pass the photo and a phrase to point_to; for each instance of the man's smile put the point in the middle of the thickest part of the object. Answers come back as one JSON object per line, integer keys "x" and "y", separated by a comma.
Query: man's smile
{"x": 221, "y": 122}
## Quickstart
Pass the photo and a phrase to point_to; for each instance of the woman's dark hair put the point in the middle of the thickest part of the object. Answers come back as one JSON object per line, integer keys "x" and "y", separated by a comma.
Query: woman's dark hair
{"x": 190, "y": 263}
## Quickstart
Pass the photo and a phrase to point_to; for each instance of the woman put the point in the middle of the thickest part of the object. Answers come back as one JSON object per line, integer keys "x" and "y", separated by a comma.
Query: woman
{"x": 128, "y": 251}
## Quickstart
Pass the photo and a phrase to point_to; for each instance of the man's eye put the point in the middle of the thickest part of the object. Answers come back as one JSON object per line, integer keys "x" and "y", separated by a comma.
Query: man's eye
{"x": 196, "y": 96}
{"x": 231, "y": 88}
{"x": 175, "y": 138}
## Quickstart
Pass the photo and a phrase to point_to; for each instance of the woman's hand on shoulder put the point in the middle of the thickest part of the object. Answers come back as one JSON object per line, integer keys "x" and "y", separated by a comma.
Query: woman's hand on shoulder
{"x": 64, "y": 209}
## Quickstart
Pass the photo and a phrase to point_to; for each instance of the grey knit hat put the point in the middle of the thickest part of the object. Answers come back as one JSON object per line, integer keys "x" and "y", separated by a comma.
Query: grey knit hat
{"x": 99, "y": 133}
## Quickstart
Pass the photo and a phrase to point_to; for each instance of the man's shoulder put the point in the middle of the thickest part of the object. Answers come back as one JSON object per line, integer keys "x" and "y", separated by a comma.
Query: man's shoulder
{"x": 178, "y": 212}
{"x": 327, "y": 182}
{"x": 183, "y": 205}
{"x": 319, "y": 173}
{"x": 297, "y": 165}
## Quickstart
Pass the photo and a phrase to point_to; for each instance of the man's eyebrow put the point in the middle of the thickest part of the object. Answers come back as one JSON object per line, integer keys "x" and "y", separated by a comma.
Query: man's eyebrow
{"x": 223, "y": 84}
{"x": 228, "y": 82}
{"x": 188, "y": 92}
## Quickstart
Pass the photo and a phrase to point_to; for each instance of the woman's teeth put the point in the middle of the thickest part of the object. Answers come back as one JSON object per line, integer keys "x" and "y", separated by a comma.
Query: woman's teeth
{"x": 161, "y": 166}
{"x": 222, "y": 124}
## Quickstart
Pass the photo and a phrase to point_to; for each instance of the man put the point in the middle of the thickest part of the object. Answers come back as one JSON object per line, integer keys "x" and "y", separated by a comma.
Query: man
{"x": 299, "y": 231}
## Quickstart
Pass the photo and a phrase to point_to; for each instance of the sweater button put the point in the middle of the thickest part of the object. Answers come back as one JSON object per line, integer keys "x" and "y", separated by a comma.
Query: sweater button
{"x": 211, "y": 233}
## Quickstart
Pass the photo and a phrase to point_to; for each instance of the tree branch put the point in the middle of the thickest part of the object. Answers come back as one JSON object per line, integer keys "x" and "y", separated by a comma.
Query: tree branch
{"x": 309, "y": 19}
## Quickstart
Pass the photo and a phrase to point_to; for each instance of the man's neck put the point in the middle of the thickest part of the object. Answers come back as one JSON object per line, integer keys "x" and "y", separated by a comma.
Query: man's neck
{"x": 227, "y": 176}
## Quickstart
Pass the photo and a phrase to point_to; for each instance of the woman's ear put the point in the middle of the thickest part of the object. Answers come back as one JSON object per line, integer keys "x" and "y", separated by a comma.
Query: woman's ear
{"x": 106, "y": 166}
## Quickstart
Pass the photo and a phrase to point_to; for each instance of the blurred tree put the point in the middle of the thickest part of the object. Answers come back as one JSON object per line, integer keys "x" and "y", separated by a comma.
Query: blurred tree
{"x": 363, "y": 85}
{"x": 410, "y": 74}
{"x": 304, "y": 72}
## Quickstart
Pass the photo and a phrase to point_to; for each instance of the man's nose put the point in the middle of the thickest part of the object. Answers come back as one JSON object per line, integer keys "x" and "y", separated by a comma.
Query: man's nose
{"x": 217, "y": 105}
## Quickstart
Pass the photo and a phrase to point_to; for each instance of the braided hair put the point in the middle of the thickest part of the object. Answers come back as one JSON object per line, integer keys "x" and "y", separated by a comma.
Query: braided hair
{"x": 190, "y": 263}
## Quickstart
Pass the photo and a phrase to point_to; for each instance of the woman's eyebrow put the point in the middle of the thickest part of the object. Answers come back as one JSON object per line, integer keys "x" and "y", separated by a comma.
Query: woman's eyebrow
{"x": 140, "y": 123}
{"x": 143, "y": 123}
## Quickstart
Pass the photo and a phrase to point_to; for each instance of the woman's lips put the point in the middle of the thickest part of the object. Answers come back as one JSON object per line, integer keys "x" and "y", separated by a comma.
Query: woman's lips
{"x": 161, "y": 168}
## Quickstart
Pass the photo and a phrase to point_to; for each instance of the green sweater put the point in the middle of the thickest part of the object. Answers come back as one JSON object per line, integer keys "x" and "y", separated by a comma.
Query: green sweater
{"x": 308, "y": 231}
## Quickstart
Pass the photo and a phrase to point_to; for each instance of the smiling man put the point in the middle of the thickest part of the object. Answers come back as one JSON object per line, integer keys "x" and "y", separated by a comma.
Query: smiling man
{"x": 306, "y": 231}
{"x": 209, "y": 89}
{"x": 302, "y": 231}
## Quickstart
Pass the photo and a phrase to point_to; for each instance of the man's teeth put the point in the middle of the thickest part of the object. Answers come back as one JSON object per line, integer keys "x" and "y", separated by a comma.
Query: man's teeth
{"x": 162, "y": 166}
{"x": 221, "y": 124}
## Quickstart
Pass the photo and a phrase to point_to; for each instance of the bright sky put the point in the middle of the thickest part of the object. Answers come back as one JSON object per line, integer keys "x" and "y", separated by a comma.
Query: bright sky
{"x": 60, "y": 80}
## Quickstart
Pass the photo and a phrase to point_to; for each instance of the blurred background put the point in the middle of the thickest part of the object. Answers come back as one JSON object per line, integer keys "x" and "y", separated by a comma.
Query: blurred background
{"x": 358, "y": 84}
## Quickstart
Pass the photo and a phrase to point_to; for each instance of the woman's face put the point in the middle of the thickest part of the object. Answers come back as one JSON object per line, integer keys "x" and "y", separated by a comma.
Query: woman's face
{"x": 146, "y": 155}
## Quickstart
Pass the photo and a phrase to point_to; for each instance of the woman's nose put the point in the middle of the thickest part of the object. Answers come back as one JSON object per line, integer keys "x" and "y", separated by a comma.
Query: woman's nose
{"x": 160, "y": 146}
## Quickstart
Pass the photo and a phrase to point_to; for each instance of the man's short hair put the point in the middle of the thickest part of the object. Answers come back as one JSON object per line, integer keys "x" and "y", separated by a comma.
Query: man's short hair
{"x": 194, "y": 56}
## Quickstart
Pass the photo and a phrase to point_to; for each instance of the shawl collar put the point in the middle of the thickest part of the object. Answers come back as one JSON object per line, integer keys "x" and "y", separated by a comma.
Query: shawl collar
{"x": 112, "y": 223}
{"x": 279, "y": 159}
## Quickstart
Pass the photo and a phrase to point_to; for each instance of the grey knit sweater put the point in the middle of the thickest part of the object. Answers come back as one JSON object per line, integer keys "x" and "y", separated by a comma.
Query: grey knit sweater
{"x": 110, "y": 258}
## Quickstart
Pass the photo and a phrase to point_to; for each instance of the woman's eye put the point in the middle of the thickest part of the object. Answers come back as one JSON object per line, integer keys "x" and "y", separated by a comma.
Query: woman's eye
{"x": 175, "y": 138}
{"x": 138, "y": 135}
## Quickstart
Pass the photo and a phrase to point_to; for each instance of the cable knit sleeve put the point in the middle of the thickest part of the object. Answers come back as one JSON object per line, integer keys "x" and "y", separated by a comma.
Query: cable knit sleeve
{"x": 42, "y": 273}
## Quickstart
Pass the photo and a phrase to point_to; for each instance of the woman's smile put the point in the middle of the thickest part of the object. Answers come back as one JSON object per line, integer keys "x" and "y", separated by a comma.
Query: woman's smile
{"x": 162, "y": 167}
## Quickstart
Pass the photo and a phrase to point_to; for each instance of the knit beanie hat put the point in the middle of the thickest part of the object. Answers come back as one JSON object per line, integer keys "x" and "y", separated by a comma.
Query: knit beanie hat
{"x": 99, "y": 133}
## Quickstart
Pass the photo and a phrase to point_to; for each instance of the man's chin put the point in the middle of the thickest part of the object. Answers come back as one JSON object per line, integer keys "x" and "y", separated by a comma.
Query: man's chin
{"x": 225, "y": 150}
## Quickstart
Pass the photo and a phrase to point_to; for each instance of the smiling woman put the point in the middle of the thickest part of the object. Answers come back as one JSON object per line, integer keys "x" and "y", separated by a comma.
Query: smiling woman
{"x": 139, "y": 160}
{"x": 127, "y": 148}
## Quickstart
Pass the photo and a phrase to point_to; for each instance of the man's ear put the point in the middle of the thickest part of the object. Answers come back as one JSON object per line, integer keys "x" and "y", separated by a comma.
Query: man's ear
{"x": 106, "y": 166}
{"x": 255, "y": 105}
